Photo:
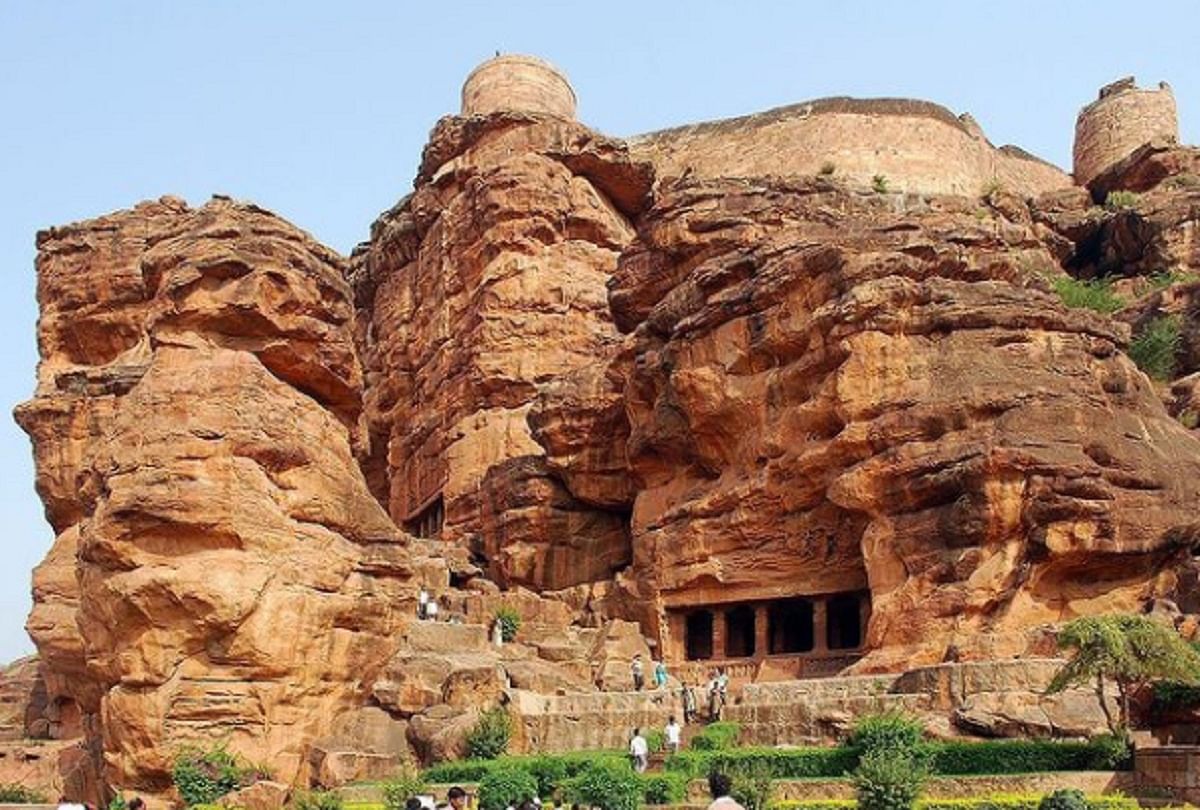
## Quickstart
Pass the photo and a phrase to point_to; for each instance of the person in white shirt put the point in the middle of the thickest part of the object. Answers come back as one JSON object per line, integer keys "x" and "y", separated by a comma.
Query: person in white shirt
{"x": 431, "y": 610}
{"x": 719, "y": 785}
{"x": 639, "y": 751}
{"x": 422, "y": 603}
{"x": 673, "y": 733}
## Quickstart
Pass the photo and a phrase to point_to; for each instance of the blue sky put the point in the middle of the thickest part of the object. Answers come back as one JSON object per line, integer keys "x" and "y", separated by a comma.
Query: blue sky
{"x": 319, "y": 110}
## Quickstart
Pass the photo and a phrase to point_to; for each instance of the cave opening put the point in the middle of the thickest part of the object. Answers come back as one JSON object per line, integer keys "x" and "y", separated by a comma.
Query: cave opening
{"x": 739, "y": 632}
{"x": 843, "y": 624}
{"x": 790, "y": 626}
{"x": 698, "y": 635}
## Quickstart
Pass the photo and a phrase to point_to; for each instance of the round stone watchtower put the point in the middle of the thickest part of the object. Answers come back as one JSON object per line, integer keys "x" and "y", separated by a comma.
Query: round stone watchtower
{"x": 518, "y": 83}
{"x": 1122, "y": 119}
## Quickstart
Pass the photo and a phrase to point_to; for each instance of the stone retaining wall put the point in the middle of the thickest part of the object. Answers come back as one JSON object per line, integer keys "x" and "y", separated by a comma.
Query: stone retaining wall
{"x": 1170, "y": 772}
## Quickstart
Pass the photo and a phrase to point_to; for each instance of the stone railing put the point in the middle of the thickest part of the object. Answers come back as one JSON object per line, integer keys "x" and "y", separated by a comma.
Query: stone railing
{"x": 770, "y": 668}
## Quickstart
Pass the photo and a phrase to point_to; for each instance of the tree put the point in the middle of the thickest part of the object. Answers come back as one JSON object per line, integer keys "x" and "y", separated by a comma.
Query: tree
{"x": 1130, "y": 651}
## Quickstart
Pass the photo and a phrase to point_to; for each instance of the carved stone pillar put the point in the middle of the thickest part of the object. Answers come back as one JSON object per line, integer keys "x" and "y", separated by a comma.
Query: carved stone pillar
{"x": 762, "y": 638}
{"x": 718, "y": 642}
{"x": 820, "y": 626}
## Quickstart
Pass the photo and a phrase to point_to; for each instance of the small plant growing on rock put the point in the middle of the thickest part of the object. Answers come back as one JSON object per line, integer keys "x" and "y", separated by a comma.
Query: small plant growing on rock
{"x": 1064, "y": 799}
{"x": 827, "y": 169}
{"x": 879, "y": 184}
{"x": 888, "y": 779}
{"x": 510, "y": 622}
{"x": 1093, "y": 294}
{"x": 204, "y": 775}
{"x": 118, "y": 803}
{"x": 503, "y": 787}
{"x": 489, "y": 738}
{"x": 14, "y": 793}
{"x": 1189, "y": 419}
{"x": 1184, "y": 181}
{"x": 1120, "y": 200}
{"x": 1155, "y": 346}
{"x": 993, "y": 186}
{"x": 317, "y": 800}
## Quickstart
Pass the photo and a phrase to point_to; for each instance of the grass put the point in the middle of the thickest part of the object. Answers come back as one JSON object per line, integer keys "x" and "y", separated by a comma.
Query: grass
{"x": 1165, "y": 278}
{"x": 1155, "y": 346}
{"x": 1096, "y": 294}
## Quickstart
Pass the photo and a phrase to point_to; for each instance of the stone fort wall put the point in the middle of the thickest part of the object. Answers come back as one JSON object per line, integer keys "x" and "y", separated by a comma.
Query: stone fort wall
{"x": 1123, "y": 118}
{"x": 918, "y": 146}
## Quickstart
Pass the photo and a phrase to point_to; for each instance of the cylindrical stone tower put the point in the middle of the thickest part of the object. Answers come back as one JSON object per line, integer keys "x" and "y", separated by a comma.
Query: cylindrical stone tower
{"x": 520, "y": 83}
{"x": 1113, "y": 126}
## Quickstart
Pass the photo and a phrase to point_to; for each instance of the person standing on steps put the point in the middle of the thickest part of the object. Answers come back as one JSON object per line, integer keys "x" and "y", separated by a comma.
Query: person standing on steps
{"x": 639, "y": 751}
{"x": 422, "y": 603}
{"x": 673, "y": 734}
{"x": 660, "y": 674}
{"x": 639, "y": 675}
{"x": 687, "y": 697}
{"x": 720, "y": 786}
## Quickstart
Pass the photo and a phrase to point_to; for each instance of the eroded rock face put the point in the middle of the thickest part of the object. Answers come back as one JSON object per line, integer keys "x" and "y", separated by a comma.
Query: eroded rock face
{"x": 219, "y": 566}
{"x": 482, "y": 287}
{"x": 837, "y": 391}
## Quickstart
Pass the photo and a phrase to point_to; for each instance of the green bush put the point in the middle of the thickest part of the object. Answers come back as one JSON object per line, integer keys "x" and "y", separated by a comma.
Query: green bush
{"x": 888, "y": 779}
{"x": 510, "y": 622}
{"x": 784, "y": 763}
{"x": 1016, "y": 756}
{"x": 717, "y": 737}
{"x": 549, "y": 771}
{"x": 489, "y": 738}
{"x": 1112, "y": 752}
{"x": 204, "y": 775}
{"x": 117, "y": 803}
{"x": 608, "y": 784}
{"x": 402, "y": 786}
{"x": 1156, "y": 345}
{"x": 317, "y": 800}
{"x": 1094, "y": 294}
{"x": 1172, "y": 695}
{"x": 1120, "y": 200}
{"x": 827, "y": 168}
{"x": 813, "y": 804}
{"x": 889, "y": 730}
{"x": 879, "y": 183}
{"x": 751, "y": 783}
{"x": 1064, "y": 799}
{"x": 996, "y": 801}
{"x": 463, "y": 770}
{"x": 655, "y": 739}
{"x": 501, "y": 787}
{"x": 13, "y": 793}
{"x": 663, "y": 788}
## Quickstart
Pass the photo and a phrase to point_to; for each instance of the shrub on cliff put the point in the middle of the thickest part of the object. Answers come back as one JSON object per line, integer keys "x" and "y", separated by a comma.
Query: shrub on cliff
{"x": 1156, "y": 345}
{"x": 717, "y": 737}
{"x": 879, "y": 183}
{"x": 1093, "y": 294}
{"x": 204, "y": 775}
{"x": 506, "y": 786}
{"x": 510, "y": 622}
{"x": 489, "y": 738}
{"x": 888, "y": 779}
{"x": 1120, "y": 200}
{"x": 14, "y": 793}
{"x": 1130, "y": 651}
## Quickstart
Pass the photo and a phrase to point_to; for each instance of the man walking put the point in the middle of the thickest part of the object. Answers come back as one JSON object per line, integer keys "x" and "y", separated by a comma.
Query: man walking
{"x": 639, "y": 751}
{"x": 639, "y": 675}
{"x": 673, "y": 734}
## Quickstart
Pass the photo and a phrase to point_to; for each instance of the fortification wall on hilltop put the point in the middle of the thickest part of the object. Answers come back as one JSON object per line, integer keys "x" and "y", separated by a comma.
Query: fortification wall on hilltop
{"x": 916, "y": 145}
{"x": 1123, "y": 118}
{"x": 514, "y": 82}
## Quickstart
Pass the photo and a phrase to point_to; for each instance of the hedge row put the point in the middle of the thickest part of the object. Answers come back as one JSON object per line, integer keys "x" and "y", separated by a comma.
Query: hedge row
{"x": 1004, "y": 801}
{"x": 944, "y": 758}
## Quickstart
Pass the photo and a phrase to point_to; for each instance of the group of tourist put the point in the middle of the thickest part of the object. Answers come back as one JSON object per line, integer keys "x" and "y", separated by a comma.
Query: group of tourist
{"x": 716, "y": 689}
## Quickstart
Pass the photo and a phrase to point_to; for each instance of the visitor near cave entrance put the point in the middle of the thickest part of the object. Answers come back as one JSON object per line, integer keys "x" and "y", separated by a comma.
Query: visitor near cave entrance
{"x": 636, "y": 669}
{"x": 639, "y": 751}
{"x": 673, "y": 735}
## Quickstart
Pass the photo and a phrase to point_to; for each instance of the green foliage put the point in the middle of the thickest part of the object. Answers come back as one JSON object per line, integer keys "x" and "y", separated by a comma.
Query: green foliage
{"x": 784, "y": 763}
{"x": 1129, "y": 650}
{"x": 1094, "y": 294}
{"x": 463, "y": 770}
{"x": 504, "y": 786}
{"x": 827, "y": 168}
{"x": 717, "y": 737}
{"x": 1172, "y": 696}
{"x": 404, "y": 784}
{"x": 751, "y": 783}
{"x": 1018, "y": 756}
{"x": 996, "y": 801}
{"x": 888, "y": 779}
{"x": 991, "y": 187}
{"x": 879, "y": 184}
{"x": 118, "y": 803}
{"x": 1064, "y": 799}
{"x": 1165, "y": 278}
{"x": 14, "y": 793}
{"x": 549, "y": 771}
{"x": 317, "y": 800}
{"x": 889, "y": 730}
{"x": 510, "y": 622}
{"x": 1156, "y": 345}
{"x": 1120, "y": 200}
{"x": 1189, "y": 418}
{"x": 1184, "y": 181}
{"x": 489, "y": 738}
{"x": 655, "y": 739}
{"x": 204, "y": 775}
{"x": 607, "y": 784}
{"x": 663, "y": 788}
